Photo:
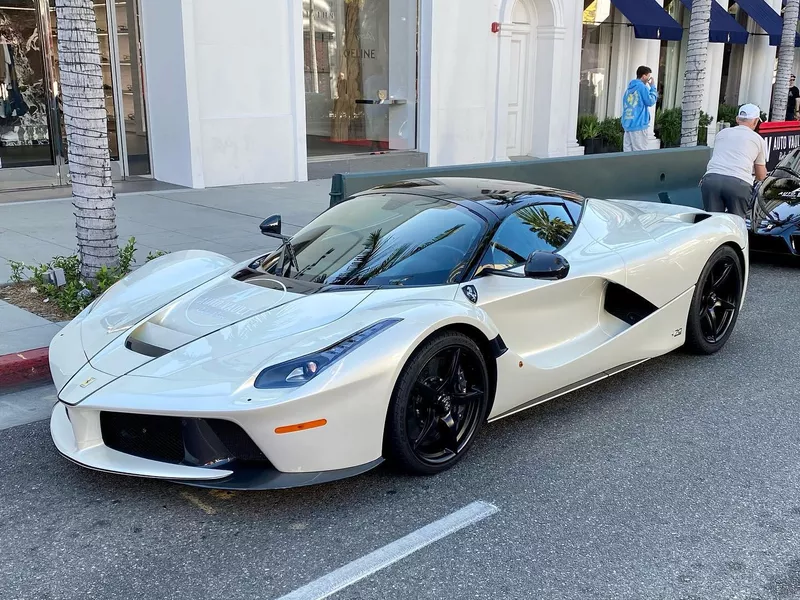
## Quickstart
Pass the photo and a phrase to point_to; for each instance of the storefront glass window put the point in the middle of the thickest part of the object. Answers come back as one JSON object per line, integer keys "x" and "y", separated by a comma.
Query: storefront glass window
{"x": 673, "y": 56}
{"x": 24, "y": 126}
{"x": 732, "y": 63}
{"x": 360, "y": 79}
{"x": 123, "y": 83}
{"x": 596, "y": 45}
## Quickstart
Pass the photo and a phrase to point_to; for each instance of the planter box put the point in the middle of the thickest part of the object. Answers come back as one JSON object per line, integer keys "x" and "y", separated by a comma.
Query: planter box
{"x": 593, "y": 146}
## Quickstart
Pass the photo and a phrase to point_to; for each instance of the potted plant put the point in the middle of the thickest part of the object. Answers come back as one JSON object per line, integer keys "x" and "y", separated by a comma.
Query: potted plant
{"x": 589, "y": 134}
{"x": 702, "y": 130}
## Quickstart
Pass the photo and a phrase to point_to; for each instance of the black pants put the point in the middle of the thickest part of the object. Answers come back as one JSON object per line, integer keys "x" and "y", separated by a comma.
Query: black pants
{"x": 723, "y": 193}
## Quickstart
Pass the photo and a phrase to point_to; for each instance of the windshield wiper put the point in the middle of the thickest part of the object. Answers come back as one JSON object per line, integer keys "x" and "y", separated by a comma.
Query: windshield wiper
{"x": 288, "y": 250}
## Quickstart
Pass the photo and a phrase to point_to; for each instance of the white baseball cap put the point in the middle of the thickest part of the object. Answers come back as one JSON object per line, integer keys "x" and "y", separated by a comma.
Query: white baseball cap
{"x": 749, "y": 111}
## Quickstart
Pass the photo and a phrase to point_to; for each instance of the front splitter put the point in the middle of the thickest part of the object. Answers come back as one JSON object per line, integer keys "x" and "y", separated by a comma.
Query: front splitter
{"x": 254, "y": 478}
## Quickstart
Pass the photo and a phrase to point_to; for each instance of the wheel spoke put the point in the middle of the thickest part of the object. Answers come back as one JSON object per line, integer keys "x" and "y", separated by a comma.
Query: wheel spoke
{"x": 726, "y": 272}
{"x": 709, "y": 320}
{"x": 713, "y": 316}
{"x": 449, "y": 431}
{"x": 464, "y": 399}
{"x": 427, "y": 429}
{"x": 452, "y": 371}
{"x": 727, "y": 304}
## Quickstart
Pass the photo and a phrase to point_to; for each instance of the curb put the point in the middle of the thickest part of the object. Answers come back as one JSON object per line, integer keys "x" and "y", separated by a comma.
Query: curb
{"x": 24, "y": 367}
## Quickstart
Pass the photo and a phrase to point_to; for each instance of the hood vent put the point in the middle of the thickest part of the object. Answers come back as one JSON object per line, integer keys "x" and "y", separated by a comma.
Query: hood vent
{"x": 150, "y": 339}
{"x": 144, "y": 348}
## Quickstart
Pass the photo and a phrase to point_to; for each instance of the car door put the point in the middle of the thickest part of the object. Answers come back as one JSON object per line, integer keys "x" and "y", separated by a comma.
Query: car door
{"x": 553, "y": 325}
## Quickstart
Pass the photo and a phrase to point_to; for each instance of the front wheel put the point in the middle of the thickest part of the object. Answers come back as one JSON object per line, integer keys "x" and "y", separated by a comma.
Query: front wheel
{"x": 715, "y": 304}
{"x": 439, "y": 404}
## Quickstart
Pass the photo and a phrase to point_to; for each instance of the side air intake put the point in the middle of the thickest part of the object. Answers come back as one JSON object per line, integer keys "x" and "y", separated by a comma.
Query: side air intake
{"x": 626, "y": 305}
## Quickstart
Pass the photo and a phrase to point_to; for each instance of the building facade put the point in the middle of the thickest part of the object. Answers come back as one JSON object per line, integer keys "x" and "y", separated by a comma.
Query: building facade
{"x": 202, "y": 93}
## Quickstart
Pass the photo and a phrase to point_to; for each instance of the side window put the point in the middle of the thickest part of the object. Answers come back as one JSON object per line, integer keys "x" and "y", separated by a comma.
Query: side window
{"x": 542, "y": 227}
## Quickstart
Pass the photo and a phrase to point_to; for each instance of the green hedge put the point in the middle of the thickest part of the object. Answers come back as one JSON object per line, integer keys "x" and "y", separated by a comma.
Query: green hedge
{"x": 608, "y": 133}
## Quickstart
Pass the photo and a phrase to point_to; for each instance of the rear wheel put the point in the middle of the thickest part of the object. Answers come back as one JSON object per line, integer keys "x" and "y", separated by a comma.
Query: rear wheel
{"x": 715, "y": 304}
{"x": 438, "y": 405}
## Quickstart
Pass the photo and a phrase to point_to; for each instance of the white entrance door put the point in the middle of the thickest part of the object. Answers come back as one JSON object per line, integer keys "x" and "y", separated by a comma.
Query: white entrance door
{"x": 519, "y": 96}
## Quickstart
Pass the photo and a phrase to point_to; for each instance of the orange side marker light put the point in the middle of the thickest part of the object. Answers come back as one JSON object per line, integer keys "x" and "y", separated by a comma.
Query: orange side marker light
{"x": 301, "y": 426}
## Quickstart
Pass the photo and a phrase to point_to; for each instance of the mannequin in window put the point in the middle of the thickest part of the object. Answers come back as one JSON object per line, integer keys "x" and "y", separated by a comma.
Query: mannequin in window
{"x": 14, "y": 106}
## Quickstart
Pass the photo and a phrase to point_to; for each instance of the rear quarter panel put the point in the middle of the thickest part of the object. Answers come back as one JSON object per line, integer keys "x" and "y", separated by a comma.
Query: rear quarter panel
{"x": 663, "y": 248}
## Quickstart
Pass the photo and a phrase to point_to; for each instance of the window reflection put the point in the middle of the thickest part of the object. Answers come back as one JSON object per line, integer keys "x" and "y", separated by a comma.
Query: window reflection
{"x": 542, "y": 227}
{"x": 384, "y": 240}
{"x": 360, "y": 82}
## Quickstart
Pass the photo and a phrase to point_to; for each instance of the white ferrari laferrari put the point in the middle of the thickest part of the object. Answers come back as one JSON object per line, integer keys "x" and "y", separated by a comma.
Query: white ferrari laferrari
{"x": 390, "y": 328}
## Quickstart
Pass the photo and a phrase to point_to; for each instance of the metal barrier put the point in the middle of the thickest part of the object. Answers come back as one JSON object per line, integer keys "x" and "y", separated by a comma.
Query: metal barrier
{"x": 670, "y": 175}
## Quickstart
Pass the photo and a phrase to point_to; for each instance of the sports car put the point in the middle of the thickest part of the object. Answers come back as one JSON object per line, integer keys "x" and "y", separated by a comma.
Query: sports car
{"x": 774, "y": 219}
{"x": 392, "y": 327}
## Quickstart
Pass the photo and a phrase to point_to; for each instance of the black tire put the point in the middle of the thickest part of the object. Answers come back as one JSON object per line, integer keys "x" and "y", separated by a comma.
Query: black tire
{"x": 438, "y": 405}
{"x": 715, "y": 304}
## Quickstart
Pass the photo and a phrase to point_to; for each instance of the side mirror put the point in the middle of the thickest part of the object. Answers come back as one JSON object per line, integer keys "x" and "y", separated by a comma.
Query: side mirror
{"x": 546, "y": 265}
{"x": 271, "y": 226}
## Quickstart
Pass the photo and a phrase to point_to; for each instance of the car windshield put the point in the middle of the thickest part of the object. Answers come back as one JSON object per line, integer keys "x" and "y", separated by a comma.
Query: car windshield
{"x": 383, "y": 239}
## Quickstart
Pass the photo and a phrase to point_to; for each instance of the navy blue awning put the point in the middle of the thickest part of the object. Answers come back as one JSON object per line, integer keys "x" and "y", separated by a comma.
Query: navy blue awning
{"x": 766, "y": 17}
{"x": 649, "y": 20}
{"x": 724, "y": 29}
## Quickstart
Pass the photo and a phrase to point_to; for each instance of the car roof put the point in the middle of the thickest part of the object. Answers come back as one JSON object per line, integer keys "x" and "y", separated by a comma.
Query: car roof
{"x": 497, "y": 196}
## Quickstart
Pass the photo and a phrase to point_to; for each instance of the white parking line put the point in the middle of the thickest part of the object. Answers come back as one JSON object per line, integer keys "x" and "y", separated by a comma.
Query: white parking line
{"x": 391, "y": 553}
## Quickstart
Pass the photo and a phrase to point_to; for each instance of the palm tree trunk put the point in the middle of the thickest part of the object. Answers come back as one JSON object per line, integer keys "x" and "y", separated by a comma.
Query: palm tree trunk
{"x": 85, "y": 116}
{"x": 785, "y": 61}
{"x": 694, "y": 78}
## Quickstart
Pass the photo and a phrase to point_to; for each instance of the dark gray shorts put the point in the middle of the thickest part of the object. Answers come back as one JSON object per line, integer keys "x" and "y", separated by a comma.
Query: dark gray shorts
{"x": 722, "y": 193}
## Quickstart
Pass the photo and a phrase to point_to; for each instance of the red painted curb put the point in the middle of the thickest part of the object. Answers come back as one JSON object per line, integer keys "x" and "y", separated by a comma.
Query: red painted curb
{"x": 23, "y": 367}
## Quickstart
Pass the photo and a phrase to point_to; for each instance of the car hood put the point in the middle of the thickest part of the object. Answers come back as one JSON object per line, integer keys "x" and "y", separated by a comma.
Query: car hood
{"x": 240, "y": 314}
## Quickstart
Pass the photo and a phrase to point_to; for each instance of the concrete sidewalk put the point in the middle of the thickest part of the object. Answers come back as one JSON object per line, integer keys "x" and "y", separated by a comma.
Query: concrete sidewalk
{"x": 223, "y": 220}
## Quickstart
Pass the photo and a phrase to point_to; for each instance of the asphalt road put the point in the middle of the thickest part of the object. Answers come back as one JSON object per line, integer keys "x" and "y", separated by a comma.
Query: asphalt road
{"x": 675, "y": 480}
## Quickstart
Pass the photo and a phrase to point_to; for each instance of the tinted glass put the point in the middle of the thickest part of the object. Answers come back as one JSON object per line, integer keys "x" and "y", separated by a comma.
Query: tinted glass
{"x": 385, "y": 239}
{"x": 543, "y": 227}
{"x": 575, "y": 209}
{"x": 790, "y": 161}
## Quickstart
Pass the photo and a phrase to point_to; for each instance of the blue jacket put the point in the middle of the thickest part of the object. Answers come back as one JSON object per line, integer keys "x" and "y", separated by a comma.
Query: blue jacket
{"x": 636, "y": 101}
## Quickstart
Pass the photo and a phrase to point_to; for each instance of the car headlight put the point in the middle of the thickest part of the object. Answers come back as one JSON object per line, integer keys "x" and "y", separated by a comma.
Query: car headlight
{"x": 298, "y": 371}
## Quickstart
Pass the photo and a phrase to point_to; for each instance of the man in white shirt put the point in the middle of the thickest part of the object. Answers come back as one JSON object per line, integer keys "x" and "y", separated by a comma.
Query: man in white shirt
{"x": 739, "y": 153}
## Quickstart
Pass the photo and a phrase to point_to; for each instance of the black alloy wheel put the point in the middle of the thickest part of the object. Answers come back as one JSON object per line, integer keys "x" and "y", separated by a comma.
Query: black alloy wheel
{"x": 715, "y": 305}
{"x": 439, "y": 404}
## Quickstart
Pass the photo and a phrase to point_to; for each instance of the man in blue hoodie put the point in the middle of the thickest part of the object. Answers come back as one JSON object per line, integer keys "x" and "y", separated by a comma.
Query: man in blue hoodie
{"x": 636, "y": 102}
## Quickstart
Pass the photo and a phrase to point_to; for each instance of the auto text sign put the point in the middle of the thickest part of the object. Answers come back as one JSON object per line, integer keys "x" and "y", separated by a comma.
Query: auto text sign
{"x": 780, "y": 139}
